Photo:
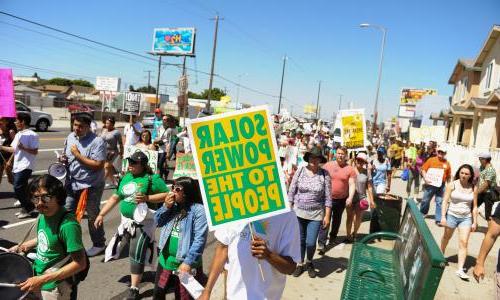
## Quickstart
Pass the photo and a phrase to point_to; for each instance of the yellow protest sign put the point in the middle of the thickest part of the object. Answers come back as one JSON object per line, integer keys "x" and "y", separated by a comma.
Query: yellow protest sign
{"x": 353, "y": 128}
{"x": 235, "y": 155}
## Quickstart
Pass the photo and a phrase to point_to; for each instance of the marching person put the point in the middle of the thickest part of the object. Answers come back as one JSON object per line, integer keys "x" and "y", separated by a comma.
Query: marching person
{"x": 24, "y": 147}
{"x": 460, "y": 211}
{"x": 58, "y": 235}
{"x": 274, "y": 247}
{"x": 161, "y": 142}
{"x": 132, "y": 132}
{"x": 139, "y": 185}
{"x": 84, "y": 155}
{"x": 343, "y": 179}
{"x": 363, "y": 197}
{"x": 114, "y": 147}
{"x": 157, "y": 123}
{"x": 487, "y": 184}
{"x": 381, "y": 172}
{"x": 310, "y": 197}
{"x": 183, "y": 236}
{"x": 436, "y": 172}
{"x": 145, "y": 141}
{"x": 414, "y": 166}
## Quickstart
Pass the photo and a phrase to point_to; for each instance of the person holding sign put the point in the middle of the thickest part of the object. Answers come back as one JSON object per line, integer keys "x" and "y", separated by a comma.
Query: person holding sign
{"x": 436, "y": 171}
{"x": 137, "y": 188}
{"x": 184, "y": 231}
{"x": 274, "y": 249}
{"x": 460, "y": 199}
{"x": 310, "y": 197}
{"x": 132, "y": 132}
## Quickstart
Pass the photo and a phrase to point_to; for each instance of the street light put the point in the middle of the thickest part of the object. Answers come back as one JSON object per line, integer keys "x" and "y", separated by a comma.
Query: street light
{"x": 384, "y": 32}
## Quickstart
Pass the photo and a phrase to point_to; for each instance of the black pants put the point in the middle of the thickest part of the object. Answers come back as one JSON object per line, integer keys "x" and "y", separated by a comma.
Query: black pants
{"x": 338, "y": 207}
{"x": 21, "y": 189}
{"x": 488, "y": 199}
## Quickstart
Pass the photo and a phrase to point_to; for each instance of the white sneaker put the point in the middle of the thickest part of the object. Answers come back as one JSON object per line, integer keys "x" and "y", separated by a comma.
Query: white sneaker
{"x": 31, "y": 255}
{"x": 17, "y": 203}
{"x": 462, "y": 275}
{"x": 94, "y": 251}
{"x": 24, "y": 215}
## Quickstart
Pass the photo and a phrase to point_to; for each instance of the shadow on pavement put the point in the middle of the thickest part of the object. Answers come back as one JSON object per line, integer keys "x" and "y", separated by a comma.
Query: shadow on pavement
{"x": 326, "y": 265}
{"x": 6, "y": 195}
{"x": 470, "y": 261}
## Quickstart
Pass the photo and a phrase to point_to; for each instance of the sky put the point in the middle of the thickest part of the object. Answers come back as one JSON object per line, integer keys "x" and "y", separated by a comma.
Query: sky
{"x": 322, "y": 40}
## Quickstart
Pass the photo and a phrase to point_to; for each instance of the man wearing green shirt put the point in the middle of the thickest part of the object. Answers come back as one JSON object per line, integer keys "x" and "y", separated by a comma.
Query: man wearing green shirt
{"x": 487, "y": 184}
{"x": 58, "y": 235}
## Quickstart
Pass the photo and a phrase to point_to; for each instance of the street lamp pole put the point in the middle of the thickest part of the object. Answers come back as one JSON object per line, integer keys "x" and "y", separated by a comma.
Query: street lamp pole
{"x": 384, "y": 32}
{"x": 281, "y": 86}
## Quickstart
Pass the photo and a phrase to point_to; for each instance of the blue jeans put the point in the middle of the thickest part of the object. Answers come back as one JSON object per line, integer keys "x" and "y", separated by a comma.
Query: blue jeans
{"x": 21, "y": 188}
{"x": 309, "y": 230}
{"x": 93, "y": 204}
{"x": 429, "y": 192}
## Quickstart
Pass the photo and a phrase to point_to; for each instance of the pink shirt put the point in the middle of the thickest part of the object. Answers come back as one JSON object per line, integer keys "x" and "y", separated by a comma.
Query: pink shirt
{"x": 340, "y": 179}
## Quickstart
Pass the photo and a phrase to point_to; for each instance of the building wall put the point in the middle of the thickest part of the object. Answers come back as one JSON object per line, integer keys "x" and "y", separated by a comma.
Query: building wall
{"x": 495, "y": 141}
{"x": 485, "y": 129}
{"x": 493, "y": 56}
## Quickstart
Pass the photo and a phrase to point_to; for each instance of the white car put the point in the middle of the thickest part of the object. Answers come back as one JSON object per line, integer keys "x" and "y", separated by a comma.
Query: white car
{"x": 148, "y": 120}
{"x": 40, "y": 120}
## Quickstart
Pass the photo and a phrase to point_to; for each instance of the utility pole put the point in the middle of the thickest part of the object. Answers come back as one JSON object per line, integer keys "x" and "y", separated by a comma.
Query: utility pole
{"x": 158, "y": 82}
{"x": 317, "y": 101}
{"x": 340, "y": 101}
{"x": 149, "y": 79}
{"x": 213, "y": 64}
{"x": 281, "y": 88}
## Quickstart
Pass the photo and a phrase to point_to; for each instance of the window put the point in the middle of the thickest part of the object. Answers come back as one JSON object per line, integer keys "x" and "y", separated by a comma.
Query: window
{"x": 489, "y": 70}
{"x": 463, "y": 87}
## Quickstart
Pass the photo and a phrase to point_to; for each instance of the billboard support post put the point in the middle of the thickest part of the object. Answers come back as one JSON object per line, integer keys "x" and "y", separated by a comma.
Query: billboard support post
{"x": 158, "y": 83}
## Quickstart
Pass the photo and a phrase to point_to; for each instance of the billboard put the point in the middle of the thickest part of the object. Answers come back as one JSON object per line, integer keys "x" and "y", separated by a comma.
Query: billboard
{"x": 110, "y": 84}
{"x": 239, "y": 171}
{"x": 174, "y": 41}
{"x": 407, "y": 111}
{"x": 413, "y": 96}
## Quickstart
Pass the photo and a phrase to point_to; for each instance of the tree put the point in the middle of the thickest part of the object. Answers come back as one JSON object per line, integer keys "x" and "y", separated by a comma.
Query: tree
{"x": 131, "y": 88}
{"x": 146, "y": 89}
{"x": 60, "y": 81}
{"x": 35, "y": 75}
{"x": 216, "y": 94}
{"x": 193, "y": 95}
{"x": 82, "y": 82}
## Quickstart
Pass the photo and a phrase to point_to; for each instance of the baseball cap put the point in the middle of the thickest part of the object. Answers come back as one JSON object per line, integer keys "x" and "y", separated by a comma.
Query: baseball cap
{"x": 157, "y": 110}
{"x": 140, "y": 157}
{"x": 362, "y": 156}
{"x": 484, "y": 155}
{"x": 440, "y": 148}
{"x": 381, "y": 150}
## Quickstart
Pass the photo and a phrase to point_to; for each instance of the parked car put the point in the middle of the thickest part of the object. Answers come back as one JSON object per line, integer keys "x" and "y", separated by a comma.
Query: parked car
{"x": 148, "y": 120}
{"x": 80, "y": 107}
{"x": 40, "y": 120}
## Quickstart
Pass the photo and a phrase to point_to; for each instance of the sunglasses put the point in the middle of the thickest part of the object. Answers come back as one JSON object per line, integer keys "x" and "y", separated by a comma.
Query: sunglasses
{"x": 41, "y": 198}
{"x": 176, "y": 188}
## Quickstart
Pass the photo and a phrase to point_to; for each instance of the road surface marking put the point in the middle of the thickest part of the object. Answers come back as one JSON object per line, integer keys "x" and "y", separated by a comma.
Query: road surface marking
{"x": 29, "y": 221}
{"x": 49, "y": 150}
{"x": 52, "y": 139}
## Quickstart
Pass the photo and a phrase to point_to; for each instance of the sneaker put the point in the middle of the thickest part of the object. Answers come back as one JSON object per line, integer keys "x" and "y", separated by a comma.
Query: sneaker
{"x": 94, "y": 251}
{"x": 321, "y": 250}
{"x": 462, "y": 275}
{"x": 298, "y": 271}
{"x": 24, "y": 214}
{"x": 31, "y": 255}
{"x": 17, "y": 203}
{"x": 133, "y": 294}
{"x": 310, "y": 270}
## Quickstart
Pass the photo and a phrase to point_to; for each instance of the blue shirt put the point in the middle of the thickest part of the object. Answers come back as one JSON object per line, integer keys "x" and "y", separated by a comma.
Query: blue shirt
{"x": 379, "y": 172}
{"x": 157, "y": 124}
{"x": 90, "y": 146}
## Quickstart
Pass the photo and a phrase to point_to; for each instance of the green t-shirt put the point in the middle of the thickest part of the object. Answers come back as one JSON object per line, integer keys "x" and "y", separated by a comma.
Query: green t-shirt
{"x": 168, "y": 256}
{"x": 130, "y": 185}
{"x": 49, "y": 247}
{"x": 488, "y": 174}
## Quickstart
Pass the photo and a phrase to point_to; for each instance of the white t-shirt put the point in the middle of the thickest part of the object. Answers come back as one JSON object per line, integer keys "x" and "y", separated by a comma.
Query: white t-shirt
{"x": 22, "y": 159}
{"x": 130, "y": 137}
{"x": 244, "y": 280}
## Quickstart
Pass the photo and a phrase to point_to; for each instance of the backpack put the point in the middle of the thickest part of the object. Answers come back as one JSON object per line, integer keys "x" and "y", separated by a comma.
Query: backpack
{"x": 80, "y": 276}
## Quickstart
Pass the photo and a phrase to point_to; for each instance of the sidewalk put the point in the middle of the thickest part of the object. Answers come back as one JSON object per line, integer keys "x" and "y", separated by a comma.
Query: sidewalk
{"x": 332, "y": 267}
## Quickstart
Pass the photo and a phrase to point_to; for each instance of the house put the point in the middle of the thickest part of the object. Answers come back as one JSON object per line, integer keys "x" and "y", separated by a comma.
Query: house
{"x": 28, "y": 95}
{"x": 53, "y": 90}
{"x": 76, "y": 92}
{"x": 474, "y": 115}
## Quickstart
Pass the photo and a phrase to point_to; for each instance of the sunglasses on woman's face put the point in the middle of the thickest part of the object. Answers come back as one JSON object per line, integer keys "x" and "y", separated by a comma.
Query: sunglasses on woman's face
{"x": 176, "y": 188}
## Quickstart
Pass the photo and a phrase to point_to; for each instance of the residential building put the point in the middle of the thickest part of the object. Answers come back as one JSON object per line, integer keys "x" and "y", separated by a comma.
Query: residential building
{"x": 474, "y": 116}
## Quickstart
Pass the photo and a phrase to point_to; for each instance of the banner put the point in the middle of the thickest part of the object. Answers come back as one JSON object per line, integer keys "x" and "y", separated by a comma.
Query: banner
{"x": 184, "y": 166}
{"x": 428, "y": 133}
{"x": 132, "y": 103}
{"x": 174, "y": 41}
{"x": 152, "y": 157}
{"x": 238, "y": 168}
{"x": 7, "y": 103}
{"x": 110, "y": 84}
{"x": 353, "y": 128}
{"x": 111, "y": 101}
{"x": 412, "y": 96}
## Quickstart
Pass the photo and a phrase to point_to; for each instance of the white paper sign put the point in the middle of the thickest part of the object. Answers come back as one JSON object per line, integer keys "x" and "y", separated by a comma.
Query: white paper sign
{"x": 435, "y": 176}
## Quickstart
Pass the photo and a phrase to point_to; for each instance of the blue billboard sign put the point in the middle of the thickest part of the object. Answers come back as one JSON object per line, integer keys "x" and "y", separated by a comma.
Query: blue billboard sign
{"x": 174, "y": 41}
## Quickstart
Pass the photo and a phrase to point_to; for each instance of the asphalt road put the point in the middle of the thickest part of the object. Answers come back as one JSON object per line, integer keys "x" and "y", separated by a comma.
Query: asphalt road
{"x": 105, "y": 280}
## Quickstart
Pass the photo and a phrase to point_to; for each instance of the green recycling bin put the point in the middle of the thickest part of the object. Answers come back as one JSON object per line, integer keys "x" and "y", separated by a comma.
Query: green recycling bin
{"x": 387, "y": 214}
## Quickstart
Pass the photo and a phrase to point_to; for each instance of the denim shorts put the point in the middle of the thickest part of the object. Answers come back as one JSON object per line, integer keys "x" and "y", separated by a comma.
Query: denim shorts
{"x": 454, "y": 222}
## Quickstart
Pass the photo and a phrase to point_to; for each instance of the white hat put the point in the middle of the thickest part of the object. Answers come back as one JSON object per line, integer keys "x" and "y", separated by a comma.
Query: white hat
{"x": 484, "y": 155}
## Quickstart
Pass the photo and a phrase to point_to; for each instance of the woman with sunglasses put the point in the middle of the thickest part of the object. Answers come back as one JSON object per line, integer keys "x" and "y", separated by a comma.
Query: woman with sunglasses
{"x": 145, "y": 141}
{"x": 138, "y": 186}
{"x": 114, "y": 147}
{"x": 363, "y": 197}
{"x": 183, "y": 236}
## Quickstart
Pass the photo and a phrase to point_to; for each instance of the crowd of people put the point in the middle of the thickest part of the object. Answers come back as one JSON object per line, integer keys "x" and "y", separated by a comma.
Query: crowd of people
{"x": 323, "y": 178}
